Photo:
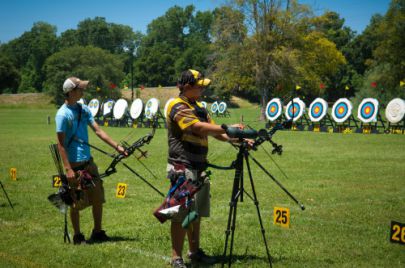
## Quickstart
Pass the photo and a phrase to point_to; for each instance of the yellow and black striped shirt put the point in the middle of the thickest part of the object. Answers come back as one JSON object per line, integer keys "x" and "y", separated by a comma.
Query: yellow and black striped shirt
{"x": 186, "y": 147}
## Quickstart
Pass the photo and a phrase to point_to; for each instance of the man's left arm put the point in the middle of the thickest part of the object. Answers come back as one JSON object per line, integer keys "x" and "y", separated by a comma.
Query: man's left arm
{"x": 107, "y": 139}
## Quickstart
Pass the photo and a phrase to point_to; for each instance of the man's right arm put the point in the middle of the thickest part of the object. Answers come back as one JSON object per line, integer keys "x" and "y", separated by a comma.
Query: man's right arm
{"x": 70, "y": 175}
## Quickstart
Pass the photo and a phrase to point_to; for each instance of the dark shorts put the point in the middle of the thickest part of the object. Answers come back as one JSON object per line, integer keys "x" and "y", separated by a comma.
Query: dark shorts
{"x": 92, "y": 195}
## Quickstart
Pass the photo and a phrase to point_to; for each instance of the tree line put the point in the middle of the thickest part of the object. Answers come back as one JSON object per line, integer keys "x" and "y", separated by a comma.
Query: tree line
{"x": 257, "y": 49}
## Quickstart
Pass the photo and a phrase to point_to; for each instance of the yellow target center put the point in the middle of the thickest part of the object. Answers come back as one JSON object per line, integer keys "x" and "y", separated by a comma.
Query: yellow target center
{"x": 272, "y": 109}
{"x": 341, "y": 110}
{"x": 316, "y": 109}
{"x": 367, "y": 110}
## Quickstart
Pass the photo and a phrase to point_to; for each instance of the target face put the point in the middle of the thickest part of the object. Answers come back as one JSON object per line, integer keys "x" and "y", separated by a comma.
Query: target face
{"x": 318, "y": 109}
{"x": 274, "y": 109}
{"x": 94, "y": 105}
{"x": 203, "y": 103}
{"x": 167, "y": 106}
{"x": 136, "y": 108}
{"x": 367, "y": 111}
{"x": 395, "y": 110}
{"x": 295, "y": 111}
{"x": 120, "y": 108}
{"x": 151, "y": 108}
{"x": 214, "y": 107}
{"x": 221, "y": 107}
{"x": 107, "y": 107}
{"x": 341, "y": 110}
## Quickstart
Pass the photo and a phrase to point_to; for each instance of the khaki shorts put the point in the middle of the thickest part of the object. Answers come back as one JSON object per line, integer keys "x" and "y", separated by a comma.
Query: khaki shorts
{"x": 202, "y": 198}
{"x": 91, "y": 196}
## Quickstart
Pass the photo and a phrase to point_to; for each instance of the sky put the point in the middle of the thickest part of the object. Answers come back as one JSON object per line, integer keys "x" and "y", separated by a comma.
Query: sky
{"x": 18, "y": 16}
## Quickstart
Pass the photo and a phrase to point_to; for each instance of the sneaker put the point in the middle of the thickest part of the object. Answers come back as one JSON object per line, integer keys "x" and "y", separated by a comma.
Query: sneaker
{"x": 200, "y": 257}
{"x": 79, "y": 239}
{"x": 178, "y": 263}
{"x": 99, "y": 237}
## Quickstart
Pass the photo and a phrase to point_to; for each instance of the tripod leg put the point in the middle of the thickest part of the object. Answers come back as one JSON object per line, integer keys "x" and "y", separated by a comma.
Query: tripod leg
{"x": 258, "y": 210}
{"x": 233, "y": 204}
{"x": 5, "y": 193}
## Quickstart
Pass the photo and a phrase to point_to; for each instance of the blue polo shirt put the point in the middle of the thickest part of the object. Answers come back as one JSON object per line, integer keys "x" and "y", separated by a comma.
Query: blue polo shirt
{"x": 66, "y": 122}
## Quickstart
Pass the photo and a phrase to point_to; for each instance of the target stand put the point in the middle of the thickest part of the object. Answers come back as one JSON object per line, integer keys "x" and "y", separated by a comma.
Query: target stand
{"x": 342, "y": 115}
{"x": 394, "y": 113}
{"x": 107, "y": 111}
{"x": 320, "y": 119}
{"x": 369, "y": 116}
{"x": 152, "y": 112}
{"x": 222, "y": 110}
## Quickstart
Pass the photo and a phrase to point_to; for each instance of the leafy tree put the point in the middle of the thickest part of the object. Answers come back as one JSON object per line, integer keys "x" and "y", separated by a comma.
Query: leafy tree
{"x": 103, "y": 69}
{"x": 9, "y": 75}
{"x": 29, "y": 53}
{"x": 175, "y": 41}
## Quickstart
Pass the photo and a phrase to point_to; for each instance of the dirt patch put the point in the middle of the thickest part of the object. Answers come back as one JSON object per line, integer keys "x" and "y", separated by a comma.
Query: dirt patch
{"x": 25, "y": 98}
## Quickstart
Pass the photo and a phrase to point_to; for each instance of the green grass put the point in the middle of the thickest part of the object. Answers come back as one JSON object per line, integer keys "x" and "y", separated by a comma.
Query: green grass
{"x": 352, "y": 185}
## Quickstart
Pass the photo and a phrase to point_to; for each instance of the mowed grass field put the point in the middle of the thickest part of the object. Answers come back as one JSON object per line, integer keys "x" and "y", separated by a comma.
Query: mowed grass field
{"x": 352, "y": 185}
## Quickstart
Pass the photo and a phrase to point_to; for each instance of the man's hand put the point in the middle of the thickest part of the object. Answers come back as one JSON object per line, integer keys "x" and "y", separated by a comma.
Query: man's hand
{"x": 70, "y": 175}
{"x": 121, "y": 150}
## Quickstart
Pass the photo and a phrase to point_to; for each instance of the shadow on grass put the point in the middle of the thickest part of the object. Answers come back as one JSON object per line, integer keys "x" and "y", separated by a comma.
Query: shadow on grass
{"x": 235, "y": 259}
{"x": 114, "y": 239}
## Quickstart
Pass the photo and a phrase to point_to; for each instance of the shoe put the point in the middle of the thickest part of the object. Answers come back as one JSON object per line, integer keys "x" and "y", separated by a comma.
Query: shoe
{"x": 99, "y": 237}
{"x": 79, "y": 239}
{"x": 200, "y": 257}
{"x": 178, "y": 263}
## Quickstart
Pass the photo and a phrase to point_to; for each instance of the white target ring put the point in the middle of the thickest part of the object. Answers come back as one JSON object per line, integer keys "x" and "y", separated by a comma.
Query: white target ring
{"x": 94, "y": 106}
{"x": 274, "y": 109}
{"x": 318, "y": 110}
{"x": 167, "y": 106}
{"x": 204, "y": 104}
{"x": 136, "y": 108}
{"x": 151, "y": 108}
{"x": 222, "y": 107}
{"x": 395, "y": 110}
{"x": 367, "y": 111}
{"x": 120, "y": 108}
{"x": 295, "y": 111}
{"x": 214, "y": 107}
{"x": 108, "y": 107}
{"x": 341, "y": 110}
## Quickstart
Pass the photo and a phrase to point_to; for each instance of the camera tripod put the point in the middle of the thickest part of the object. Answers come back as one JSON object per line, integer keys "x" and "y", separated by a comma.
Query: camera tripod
{"x": 238, "y": 190}
{"x": 5, "y": 193}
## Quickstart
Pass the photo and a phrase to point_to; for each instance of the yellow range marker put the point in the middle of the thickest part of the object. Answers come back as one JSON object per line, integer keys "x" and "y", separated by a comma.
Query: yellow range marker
{"x": 121, "y": 190}
{"x": 13, "y": 174}
{"x": 281, "y": 216}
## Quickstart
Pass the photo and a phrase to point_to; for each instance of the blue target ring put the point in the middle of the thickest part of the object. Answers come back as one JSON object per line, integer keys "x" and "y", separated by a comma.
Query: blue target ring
{"x": 273, "y": 109}
{"x": 341, "y": 110}
{"x": 317, "y": 110}
{"x": 367, "y": 110}
{"x": 297, "y": 110}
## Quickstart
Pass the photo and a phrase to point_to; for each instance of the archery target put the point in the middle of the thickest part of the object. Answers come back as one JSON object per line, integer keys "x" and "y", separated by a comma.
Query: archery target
{"x": 203, "y": 103}
{"x": 367, "y": 111}
{"x": 151, "y": 108}
{"x": 341, "y": 110}
{"x": 395, "y": 110}
{"x": 214, "y": 107}
{"x": 318, "y": 109}
{"x": 167, "y": 106}
{"x": 136, "y": 108}
{"x": 222, "y": 107}
{"x": 82, "y": 101}
{"x": 274, "y": 109}
{"x": 120, "y": 108}
{"x": 295, "y": 111}
{"x": 94, "y": 105}
{"x": 108, "y": 107}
